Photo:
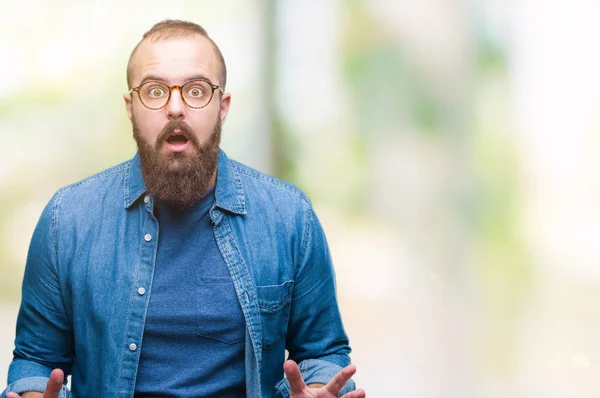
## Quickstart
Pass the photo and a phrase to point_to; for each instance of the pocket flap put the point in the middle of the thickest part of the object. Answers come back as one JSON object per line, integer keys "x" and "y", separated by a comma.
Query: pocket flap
{"x": 273, "y": 297}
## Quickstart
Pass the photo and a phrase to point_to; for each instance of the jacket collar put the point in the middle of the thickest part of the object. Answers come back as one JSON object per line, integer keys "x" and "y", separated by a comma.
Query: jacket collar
{"x": 229, "y": 192}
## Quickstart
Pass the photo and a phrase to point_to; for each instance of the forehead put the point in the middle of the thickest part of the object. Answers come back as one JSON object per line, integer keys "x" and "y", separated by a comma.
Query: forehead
{"x": 175, "y": 60}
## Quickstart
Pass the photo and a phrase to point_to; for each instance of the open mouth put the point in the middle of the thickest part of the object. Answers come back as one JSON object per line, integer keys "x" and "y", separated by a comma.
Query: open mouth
{"x": 177, "y": 141}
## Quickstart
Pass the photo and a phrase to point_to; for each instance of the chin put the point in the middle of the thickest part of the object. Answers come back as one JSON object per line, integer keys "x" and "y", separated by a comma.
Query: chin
{"x": 174, "y": 160}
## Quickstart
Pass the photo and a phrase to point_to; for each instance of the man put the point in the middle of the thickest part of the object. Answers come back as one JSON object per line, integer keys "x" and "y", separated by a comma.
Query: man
{"x": 180, "y": 272}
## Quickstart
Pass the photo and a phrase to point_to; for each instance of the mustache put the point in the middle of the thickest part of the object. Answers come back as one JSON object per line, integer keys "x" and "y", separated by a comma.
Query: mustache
{"x": 177, "y": 125}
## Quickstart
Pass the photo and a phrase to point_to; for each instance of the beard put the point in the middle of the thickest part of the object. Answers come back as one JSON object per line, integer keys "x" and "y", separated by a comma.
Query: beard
{"x": 178, "y": 178}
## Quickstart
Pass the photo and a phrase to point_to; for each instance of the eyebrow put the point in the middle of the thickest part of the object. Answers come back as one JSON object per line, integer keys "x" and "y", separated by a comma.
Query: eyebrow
{"x": 160, "y": 79}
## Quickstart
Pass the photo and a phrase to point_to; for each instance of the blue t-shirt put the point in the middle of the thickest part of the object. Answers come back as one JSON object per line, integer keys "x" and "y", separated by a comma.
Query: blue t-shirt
{"x": 193, "y": 342}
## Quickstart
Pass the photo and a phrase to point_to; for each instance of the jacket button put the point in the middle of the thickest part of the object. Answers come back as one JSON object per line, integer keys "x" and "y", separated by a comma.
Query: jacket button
{"x": 147, "y": 237}
{"x": 146, "y": 199}
{"x": 132, "y": 347}
{"x": 141, "y": 291}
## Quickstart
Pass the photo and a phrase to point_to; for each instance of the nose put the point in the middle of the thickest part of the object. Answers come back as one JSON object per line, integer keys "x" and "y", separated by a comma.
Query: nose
{"x": 176, "y": 106}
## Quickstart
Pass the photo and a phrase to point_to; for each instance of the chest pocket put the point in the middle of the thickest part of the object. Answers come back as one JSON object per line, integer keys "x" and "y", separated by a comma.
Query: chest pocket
{"x": 219, "y": 313}
{"x": 274, "y": 302}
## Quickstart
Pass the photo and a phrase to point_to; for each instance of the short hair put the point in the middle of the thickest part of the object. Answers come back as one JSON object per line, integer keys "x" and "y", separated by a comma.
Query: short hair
{"x": 175, "y": 28}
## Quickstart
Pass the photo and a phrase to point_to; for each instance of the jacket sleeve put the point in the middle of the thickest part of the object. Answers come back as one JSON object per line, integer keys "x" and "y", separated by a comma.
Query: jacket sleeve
{"x": 316, "y": 339}
{"x": 44, "y": 340}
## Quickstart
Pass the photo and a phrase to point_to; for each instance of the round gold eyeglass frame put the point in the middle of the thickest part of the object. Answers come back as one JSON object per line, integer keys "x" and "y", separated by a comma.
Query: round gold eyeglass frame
{"x": 180, "y": 89}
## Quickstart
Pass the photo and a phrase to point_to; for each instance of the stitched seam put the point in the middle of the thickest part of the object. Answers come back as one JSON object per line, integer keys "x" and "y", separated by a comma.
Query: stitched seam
{"x": 126, "y": 182}
{"x": 94, "y": 178}
{"x": 272, "y": 309}
{"x": 149, "y": 293}
{"x": 225, "y": 234}
{"x": 280, "y": 305}
{"x": 55, "y": 225}
{"x": 129, "y": 310}
{"x": 55, "y": 244}
{"x": 304, "y": 240}
{"x": 268, "y": 179}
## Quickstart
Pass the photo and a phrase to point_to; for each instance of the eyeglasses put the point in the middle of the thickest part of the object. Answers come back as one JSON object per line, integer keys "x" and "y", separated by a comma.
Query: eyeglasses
{"x": 195, "y": 94}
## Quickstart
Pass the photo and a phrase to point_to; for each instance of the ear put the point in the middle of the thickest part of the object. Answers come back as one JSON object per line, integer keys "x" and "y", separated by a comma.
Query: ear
{"x": 225, "y": 103}
{"x": 128, "y": 105}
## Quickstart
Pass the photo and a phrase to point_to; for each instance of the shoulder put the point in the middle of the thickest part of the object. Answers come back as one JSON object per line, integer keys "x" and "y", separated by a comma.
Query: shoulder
{"x": 108, "y": 176}
{"x": 104, "y": 187}
{"x": 261, "y": 186}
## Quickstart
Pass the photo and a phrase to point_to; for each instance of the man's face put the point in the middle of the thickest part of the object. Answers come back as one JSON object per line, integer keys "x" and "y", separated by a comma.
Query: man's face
{"x": 178, "y": 145}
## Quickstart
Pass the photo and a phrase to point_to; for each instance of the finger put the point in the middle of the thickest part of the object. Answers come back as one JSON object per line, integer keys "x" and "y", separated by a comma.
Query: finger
{"x": 339, "y": 380}
{"x": 294, "y": 377}
{"x": 12, "y": 395}
{"x": 54, "y": 384}
{"x": 360, "y": 393}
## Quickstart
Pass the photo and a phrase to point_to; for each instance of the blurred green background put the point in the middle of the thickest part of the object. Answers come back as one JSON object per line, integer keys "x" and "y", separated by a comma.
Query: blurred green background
{"x": 449, "y": 147}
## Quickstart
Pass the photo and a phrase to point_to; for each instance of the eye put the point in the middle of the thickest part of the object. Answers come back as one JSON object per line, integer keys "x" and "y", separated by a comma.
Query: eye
{"x": 156, "y": 92}
{"x": 195, "y": 91}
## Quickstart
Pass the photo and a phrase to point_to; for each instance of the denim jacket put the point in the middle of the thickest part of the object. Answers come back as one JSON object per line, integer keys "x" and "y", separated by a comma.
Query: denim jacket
{"x": 89, "y": 273}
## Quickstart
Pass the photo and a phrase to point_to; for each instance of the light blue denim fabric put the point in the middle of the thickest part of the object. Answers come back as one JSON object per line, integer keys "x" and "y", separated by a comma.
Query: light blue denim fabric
{"x": 83, "y": 307}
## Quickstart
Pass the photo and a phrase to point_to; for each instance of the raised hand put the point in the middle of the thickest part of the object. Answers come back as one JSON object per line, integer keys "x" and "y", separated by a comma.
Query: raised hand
{"x": 52, "y": 388}
{"x": 299, "y": 389}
